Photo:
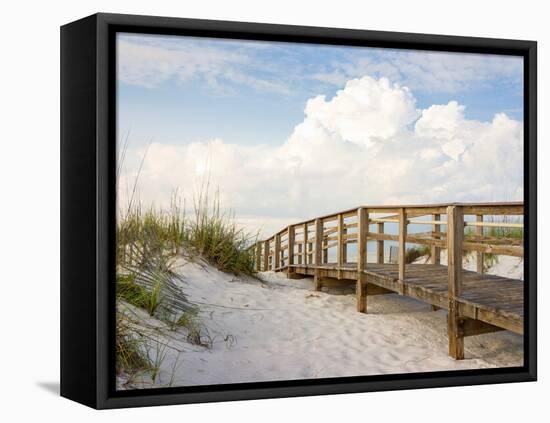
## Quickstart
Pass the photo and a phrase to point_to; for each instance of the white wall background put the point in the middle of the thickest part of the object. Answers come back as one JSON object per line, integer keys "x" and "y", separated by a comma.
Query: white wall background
{"x": 29, "y": 187}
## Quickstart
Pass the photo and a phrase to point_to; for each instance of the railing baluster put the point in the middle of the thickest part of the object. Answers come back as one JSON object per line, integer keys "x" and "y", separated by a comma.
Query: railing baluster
{"x": 362, "y": 230}
{"x": 480, "y": 257}
{"x": 290, "y": 237}
{"x": 266, "y": 255}
{"x": 305, "y": 244}
{"x": 344, "y": 245}
{"x": 341, "y": 245}
{"x": 325, "y": 245}
{"x": 380, "y": 244}
{"x": 436, "y": 251}
{"x": 318, "y": 253}
{"x": 258, "y": 256}
{"x": 402, "y": 246}
{"x": 277, "y": 252}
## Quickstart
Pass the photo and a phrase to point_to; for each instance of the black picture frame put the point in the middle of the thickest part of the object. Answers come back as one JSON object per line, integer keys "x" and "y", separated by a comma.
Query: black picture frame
{"x": 88, "y": 102}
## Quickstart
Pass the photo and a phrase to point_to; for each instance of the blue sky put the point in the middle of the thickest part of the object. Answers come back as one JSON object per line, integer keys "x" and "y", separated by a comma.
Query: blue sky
{"x": 280, "y": 128}
{"x": 265, "y": 98}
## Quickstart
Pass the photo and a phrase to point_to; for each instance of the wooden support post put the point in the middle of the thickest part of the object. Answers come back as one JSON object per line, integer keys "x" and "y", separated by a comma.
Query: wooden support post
{"x": 277, "y": 252}
{"x": 436, "y": 251}
{"x": 455, "y": 234}
{"x": 291, "y": 235}
{"x": 341, "y": 245}
{"x": 380, "y": 244}
{"x": 480, "y": 257}
{"x": 305, "y": 244}
{"x": 258, "y": 256}
{"x": 266, "y": 256}
{"x": 402, "y": 246}
{"x": 318, "y": 253}
{"x": 299, "y": 254}
{"x": 362, "y": 230}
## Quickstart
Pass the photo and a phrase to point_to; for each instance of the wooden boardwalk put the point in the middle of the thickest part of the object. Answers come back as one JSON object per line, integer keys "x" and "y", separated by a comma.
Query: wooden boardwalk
{"x": 476, "y": 302}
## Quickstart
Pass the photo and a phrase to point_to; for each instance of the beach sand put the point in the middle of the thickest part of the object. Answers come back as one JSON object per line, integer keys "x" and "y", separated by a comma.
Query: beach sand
{"x": 280, "y": 329}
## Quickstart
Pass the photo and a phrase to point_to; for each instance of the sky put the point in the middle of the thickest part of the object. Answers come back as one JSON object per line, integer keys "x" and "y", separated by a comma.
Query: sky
{"x": 291, "y": 131}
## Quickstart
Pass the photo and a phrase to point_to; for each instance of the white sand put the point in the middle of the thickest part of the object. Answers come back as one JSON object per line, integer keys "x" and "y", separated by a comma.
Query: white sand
{"x": 280, "y": 329}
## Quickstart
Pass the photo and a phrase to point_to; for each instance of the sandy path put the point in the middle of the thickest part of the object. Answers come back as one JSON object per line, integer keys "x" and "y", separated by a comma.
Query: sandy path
{"x": 280, "y": 329}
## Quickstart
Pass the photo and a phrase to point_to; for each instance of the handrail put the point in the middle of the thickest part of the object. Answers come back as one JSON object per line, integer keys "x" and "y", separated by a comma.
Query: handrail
{"x": 337, "y": 233}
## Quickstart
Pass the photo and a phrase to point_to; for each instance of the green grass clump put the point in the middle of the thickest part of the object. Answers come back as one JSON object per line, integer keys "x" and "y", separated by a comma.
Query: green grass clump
{"x": 215, "y": 236}
{"x": 157, "y": 231}
{"x": 129, "y": 291}
{"x": 416, "y": 252}
{"x": 138, "y": 295}
{"x": 155, "y": 298}
{"x": 498, "y": 231}
{"x": 210, "y": 233}
{"x": 130, "y": 352}
{"x": 489, "y": 260}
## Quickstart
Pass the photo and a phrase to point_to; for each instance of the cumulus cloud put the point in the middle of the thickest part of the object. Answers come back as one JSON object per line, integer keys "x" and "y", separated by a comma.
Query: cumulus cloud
{"x": 369, "y": 144}
{"x": 366, "y": 109}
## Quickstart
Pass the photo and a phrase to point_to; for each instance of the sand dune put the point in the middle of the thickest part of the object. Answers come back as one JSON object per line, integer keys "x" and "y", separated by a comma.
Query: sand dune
{"x": 280, "y": 329}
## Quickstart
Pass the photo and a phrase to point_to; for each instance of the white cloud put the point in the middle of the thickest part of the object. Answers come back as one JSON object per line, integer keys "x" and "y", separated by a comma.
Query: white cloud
{"x": 367, "y": 145}
{"x": 148, "y": 61}
{"x": 365, "y": 109}
{"x": 151, "y": 60}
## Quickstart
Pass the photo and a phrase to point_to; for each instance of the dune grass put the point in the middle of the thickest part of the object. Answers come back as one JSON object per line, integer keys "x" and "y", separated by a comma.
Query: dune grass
{"x": 130, "y": 353}
{"x": 416, "y": 252}
{"x": 209, "y": 233}
{"x": 149, "y": 241}
{"x": 214, "y": 235}
{"x": 499, "y": 232}
{"x": 503, "y": 234}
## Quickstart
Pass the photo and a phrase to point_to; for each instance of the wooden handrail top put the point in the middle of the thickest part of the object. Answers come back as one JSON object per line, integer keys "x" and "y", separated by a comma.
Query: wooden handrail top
{"x": 512, "y": 208}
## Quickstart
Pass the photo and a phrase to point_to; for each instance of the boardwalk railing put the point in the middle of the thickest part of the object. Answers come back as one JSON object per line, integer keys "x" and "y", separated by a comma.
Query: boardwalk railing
{"x": 305, "y": 248}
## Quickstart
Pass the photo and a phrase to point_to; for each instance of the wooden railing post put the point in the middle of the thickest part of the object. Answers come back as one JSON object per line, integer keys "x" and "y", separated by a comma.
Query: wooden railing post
{"x": 455, "y": 234}
{"x": 480, "y": 257}
{"x": 266, "y": 255}
{"x": 305, "y": 244}
{"x": 402, "y": 246}
{"x": 341, "y": 245}
{"x": 290, "y": 237}
{"x": 277, "y": 252}
{"x": 380, "y": 244}
{"x": 318, "y": 253}
{"x": 258, "y": 256}
{"x": 362, "y": 230}
{"x": 436, "y": 251}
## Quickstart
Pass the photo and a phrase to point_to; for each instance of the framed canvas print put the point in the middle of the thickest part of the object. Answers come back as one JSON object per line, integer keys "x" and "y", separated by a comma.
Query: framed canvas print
{"x": 255, "y": 211}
